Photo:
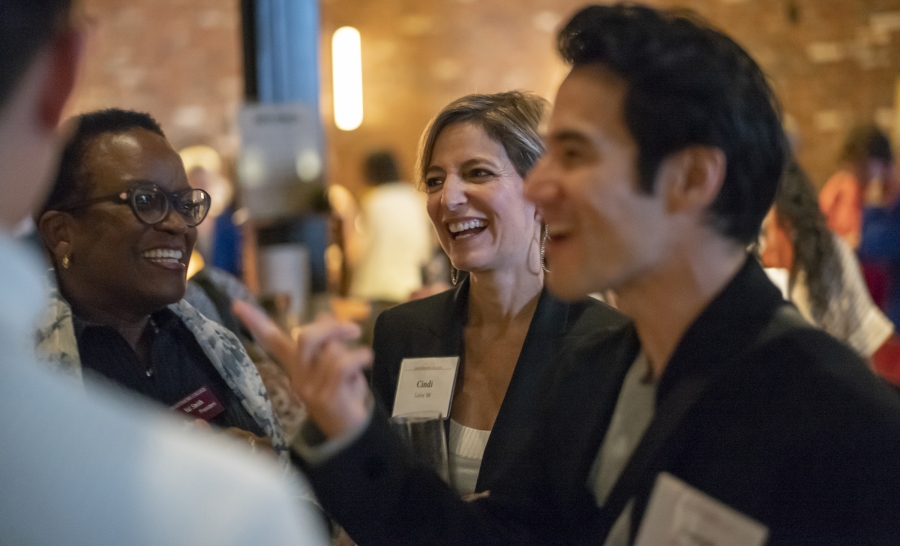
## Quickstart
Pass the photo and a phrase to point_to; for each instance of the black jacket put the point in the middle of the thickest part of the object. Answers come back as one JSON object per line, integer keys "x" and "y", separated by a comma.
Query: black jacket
{"x": 433, "y": 327}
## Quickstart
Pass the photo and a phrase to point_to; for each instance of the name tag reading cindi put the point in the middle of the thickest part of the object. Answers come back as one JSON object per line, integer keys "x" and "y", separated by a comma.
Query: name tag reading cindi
{"x": 426, "y": 384}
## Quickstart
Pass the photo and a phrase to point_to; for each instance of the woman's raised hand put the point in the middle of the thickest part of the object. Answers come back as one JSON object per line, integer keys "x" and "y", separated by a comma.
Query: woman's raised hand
{"x": 325, "y": 373}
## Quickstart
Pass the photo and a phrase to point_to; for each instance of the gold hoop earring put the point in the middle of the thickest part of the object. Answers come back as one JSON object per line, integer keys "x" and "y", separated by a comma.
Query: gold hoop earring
{"x": 66, "y": 262}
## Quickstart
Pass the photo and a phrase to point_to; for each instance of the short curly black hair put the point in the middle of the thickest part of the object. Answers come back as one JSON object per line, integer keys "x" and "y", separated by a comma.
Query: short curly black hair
{"x": 688, "y": 84}
{"x": 72, "y": 182}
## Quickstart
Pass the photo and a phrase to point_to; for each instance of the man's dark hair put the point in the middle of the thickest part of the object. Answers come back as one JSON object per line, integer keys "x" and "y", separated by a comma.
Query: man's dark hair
{"x": 381, "y": 167}
{"x": 867, "y": 142}
{"x": 688, "y": 84}
{"x": 72, "y": 184}
{"x": 25, "y": 26}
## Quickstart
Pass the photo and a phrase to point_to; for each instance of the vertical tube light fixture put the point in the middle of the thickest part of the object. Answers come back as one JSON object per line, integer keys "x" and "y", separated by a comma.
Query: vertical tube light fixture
{"x": 346, "y": 65}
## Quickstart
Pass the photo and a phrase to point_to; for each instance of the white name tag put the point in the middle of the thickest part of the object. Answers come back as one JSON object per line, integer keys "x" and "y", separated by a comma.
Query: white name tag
{"x": 680, "y": 514}
{"x": 426, "y": 384}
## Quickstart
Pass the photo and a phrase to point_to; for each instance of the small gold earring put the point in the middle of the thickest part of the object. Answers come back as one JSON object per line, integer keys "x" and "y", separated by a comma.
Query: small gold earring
{"x": 66, "y": 262}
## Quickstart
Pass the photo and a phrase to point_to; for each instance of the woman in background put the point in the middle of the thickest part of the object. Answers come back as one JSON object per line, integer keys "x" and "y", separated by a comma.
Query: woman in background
{"x": 824, "y": 278}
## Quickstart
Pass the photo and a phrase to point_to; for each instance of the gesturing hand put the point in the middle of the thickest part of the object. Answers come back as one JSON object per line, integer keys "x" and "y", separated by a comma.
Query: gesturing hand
{"x": 325, "y": 374}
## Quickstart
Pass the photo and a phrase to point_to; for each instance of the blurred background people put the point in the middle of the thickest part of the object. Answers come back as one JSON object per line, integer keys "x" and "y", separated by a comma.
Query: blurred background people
{"x": 867, "y": 173}
{"x": 395, "y": 238}
{"x": 500, "y": 321}
{"x": 218, "y": 238}
{"x": 213, "y": 276}
{"x": 94, "y": 469}
{"x": 203, "y": 166}
{"x": 866, "y": 156}
{"x": 858, "y": 201}
{"x": 824, "y": 278}
{"x": 880, "y": 250}
{"x": 120, "y": 225}
{"x": 212, "y": 291}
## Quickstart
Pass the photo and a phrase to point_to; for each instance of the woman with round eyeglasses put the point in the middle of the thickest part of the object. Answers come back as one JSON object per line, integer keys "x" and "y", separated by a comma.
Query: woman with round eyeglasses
{"x": 119, "y": 227}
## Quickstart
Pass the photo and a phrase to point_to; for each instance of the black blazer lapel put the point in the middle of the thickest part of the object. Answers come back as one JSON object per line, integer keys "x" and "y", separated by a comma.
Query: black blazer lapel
{"x": 423, "y": 328}
{"x": 516, "y": 416}
{"x": 696, "y": 367}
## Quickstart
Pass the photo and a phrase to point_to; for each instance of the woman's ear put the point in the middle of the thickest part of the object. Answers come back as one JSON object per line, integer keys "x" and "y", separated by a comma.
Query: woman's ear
{"x": 55, "y": 228}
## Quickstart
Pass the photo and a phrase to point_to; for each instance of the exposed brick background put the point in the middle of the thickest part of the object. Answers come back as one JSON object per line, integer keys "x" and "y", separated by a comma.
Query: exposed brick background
{"x": 832, "y": 62}
{"x": 179, "y": 60}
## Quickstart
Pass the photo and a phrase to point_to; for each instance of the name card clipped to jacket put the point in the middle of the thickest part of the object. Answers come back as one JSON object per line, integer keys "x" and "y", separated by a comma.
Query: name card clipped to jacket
{"x": 426, "y": 384}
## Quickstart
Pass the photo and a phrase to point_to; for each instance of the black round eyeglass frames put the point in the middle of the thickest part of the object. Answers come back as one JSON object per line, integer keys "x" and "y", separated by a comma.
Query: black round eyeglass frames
{"x": 151, "y": 204}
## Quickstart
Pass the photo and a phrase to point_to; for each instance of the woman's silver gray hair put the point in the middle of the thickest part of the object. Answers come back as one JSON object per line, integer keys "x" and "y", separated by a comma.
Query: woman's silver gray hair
{"x": 510, "y": 118}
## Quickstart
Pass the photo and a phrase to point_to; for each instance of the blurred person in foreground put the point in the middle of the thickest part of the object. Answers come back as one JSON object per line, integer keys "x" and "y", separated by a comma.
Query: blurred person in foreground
{"x": 500, "y": 321}
{"x": 824, "y": 280}
{"x": 663, "y": 155}
{"x": 120, "y": 226}
{"x": 79, "y": 468}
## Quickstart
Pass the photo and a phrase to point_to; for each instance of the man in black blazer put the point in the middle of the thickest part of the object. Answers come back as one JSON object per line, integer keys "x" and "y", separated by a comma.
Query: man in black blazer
{"x": 663, "y": 154}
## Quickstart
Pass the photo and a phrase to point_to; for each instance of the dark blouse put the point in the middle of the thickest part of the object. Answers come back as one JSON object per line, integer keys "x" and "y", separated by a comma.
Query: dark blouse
{"x": 179, "y": 367}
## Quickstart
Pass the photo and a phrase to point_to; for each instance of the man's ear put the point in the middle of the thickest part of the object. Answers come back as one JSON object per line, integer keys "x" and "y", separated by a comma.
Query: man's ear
{"x": 64, "y": 52}
{"x": 692, "y": 178}
{"x": 55, "y": 228}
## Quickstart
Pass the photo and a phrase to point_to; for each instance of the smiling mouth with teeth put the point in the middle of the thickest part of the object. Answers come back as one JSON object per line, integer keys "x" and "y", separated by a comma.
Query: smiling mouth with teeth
{"x": 468, "y": 228}
{"x": 164, "y": 256}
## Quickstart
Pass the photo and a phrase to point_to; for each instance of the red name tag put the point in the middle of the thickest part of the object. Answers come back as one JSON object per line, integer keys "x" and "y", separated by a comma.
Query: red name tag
{"x": 200, "y": 404}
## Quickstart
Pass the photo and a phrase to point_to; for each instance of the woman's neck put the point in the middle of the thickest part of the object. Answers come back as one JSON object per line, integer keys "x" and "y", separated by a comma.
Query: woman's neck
{"x": 130, "y": 325}
{"x": 497, "y": 297}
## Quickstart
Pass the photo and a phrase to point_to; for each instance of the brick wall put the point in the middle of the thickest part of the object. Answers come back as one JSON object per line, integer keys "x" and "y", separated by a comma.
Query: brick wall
{"x": 832, "y": 62}
{"x": 180, "y": 60}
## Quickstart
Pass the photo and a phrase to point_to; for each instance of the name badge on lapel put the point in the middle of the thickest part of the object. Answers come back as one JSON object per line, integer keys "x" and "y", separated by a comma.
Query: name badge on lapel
{"x": 426, "y": 384}
{"x": 680, "y": 514}
{"x": 200, "y": 404}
